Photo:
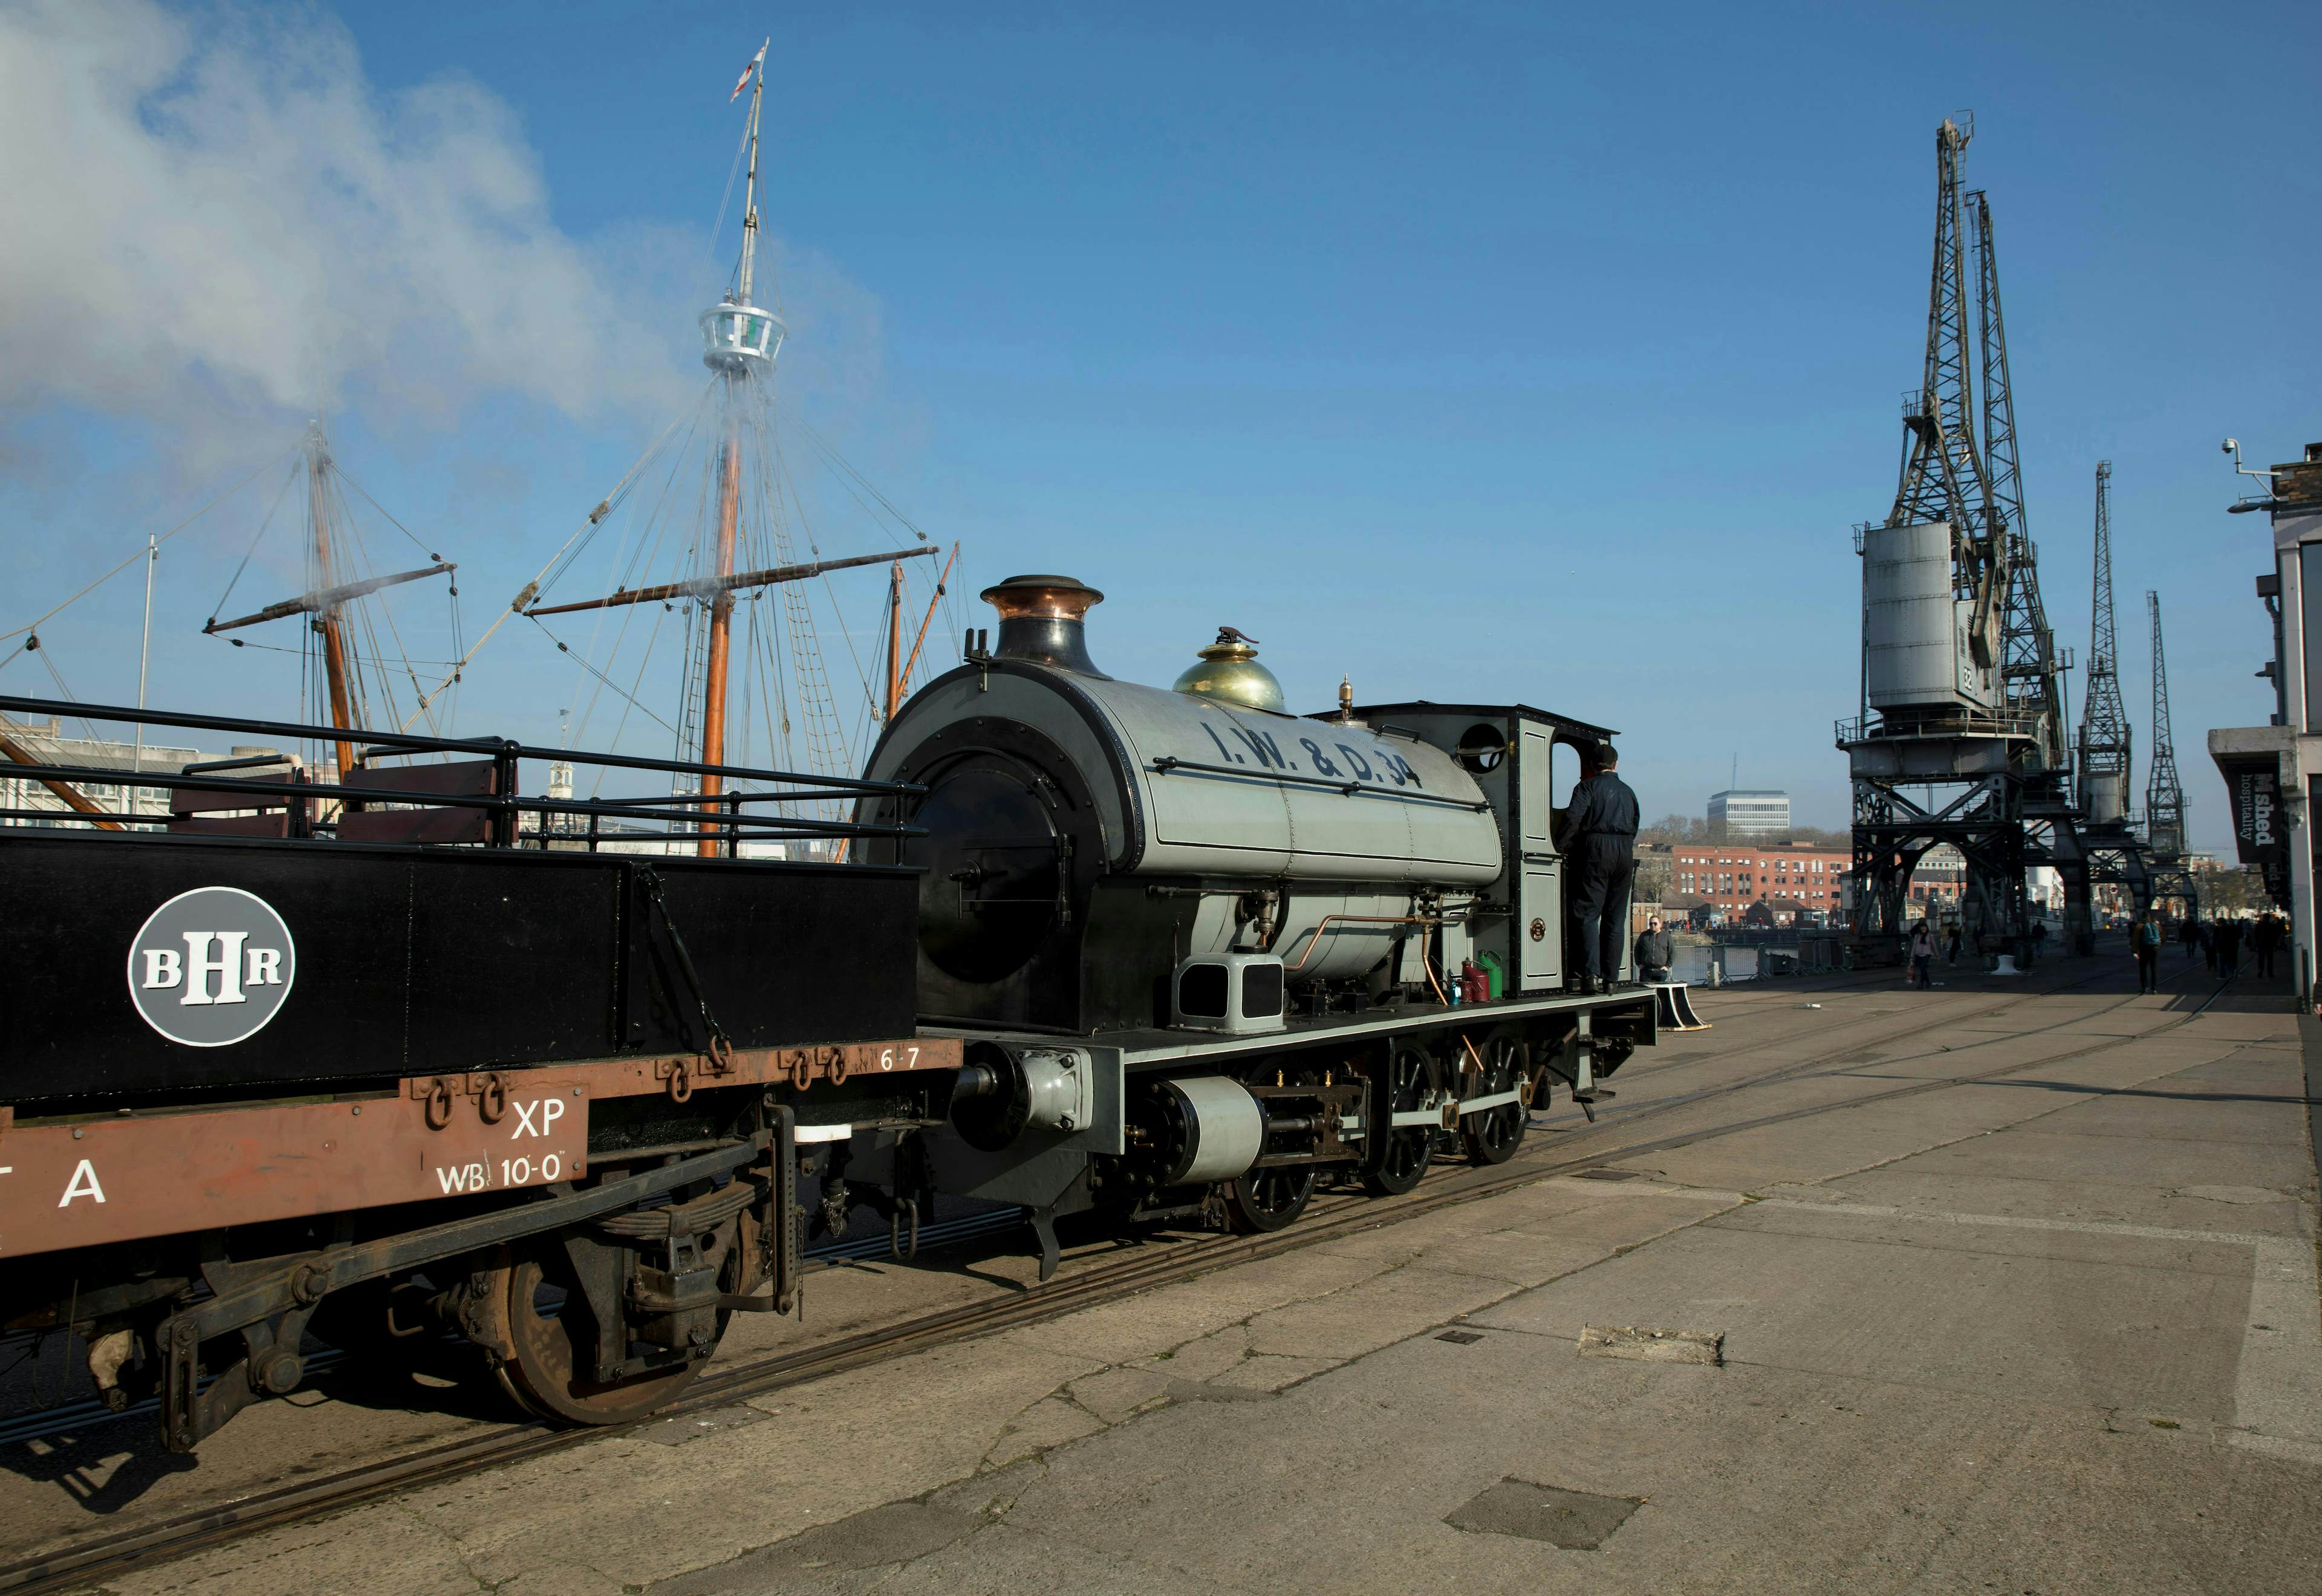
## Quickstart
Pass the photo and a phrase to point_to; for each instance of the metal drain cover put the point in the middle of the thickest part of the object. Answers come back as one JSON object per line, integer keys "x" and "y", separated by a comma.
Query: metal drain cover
{"x": 1573, "y": 1520}
{"x": 1460, "y": 1337}
{"x": 1601, "y": 1173}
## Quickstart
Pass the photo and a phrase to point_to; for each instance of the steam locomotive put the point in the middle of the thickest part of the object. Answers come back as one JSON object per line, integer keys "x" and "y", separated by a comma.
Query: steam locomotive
{"x": 1202, "y": 952}
{"x": 411, "y": 1051}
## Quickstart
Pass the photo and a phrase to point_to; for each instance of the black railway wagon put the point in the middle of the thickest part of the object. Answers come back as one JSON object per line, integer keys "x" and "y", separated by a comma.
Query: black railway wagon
{"x": 408, "y": 1049}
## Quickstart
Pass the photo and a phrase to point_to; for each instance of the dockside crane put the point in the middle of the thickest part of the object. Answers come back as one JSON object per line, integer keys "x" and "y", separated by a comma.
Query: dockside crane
{"x": 2105, "y": 752}
{"x": 1961, "y": 721}
{"x": 2115, "y": 853}
{"x": 2165, "y": 796}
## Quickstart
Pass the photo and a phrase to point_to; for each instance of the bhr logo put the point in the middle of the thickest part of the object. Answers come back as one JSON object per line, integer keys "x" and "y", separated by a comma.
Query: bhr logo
{"x": 210, "y": 967}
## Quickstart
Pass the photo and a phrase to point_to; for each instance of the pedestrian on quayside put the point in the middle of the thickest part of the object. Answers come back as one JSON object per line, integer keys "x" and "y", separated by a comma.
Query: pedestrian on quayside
{"x": 1654, "y": 953}
{"x": 1923, "y": 956}
{"x": 2145, "y": 941}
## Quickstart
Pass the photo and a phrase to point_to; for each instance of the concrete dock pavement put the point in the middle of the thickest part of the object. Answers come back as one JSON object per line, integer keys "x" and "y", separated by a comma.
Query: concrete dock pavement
{"x": 2015, "y": 1288}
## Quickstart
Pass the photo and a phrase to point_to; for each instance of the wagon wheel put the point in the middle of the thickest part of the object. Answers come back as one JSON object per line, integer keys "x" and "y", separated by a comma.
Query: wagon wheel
{"x": 1494, "y": 1135}
{"x": 551, "y": 1344}
{"x": 1398, "y": 1157}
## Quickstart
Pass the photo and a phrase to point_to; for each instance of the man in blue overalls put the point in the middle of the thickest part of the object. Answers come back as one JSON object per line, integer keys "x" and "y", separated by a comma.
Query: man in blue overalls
{"x": 1598, "y": 840}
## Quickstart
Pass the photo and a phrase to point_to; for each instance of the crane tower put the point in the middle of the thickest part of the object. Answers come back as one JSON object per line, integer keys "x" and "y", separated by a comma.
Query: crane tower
{"x": 1960, "y": 737}
{"x": 2105, "y": 759}
{"x": 2164, "y": 798}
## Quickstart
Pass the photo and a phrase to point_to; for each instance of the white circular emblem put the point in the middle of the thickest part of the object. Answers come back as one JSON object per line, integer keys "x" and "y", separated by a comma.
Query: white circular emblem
{"x": 210, "y": 967}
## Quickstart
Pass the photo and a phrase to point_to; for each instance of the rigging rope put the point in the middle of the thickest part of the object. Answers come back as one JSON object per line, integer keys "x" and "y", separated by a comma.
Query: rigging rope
{"x": 218, "y": 608}
{"x": 141, "y": 553}
{"x": 543, "y": 580}
{"x": 565, "y": 649}
{"x": 340, "y": 474}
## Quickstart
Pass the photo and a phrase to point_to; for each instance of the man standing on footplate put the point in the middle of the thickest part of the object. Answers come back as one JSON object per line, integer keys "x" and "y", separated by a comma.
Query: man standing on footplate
{"x": 1598, "y": 840}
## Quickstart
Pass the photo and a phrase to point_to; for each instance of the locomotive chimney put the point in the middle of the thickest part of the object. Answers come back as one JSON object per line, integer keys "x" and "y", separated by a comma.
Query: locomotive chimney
{"x": 1041, "y": 620}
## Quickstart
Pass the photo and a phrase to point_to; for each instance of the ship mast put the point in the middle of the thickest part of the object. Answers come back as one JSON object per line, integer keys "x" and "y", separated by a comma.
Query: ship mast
{"x": 734, "y": 371}
{"x": 894, "y": 640}
{"x": 744, "y": 549}
{"x": 327, "y": 603}
{"x": 334, "y": 654}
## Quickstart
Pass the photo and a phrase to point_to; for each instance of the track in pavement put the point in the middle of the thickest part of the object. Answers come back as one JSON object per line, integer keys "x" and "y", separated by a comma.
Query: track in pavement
{"x": 87, "y": 1562}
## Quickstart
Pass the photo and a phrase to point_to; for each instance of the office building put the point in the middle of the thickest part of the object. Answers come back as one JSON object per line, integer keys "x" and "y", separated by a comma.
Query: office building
{"x": 1744, "y": 813}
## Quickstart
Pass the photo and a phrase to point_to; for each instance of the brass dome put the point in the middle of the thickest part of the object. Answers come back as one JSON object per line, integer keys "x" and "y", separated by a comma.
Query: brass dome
{"x": 1229, "y": 671}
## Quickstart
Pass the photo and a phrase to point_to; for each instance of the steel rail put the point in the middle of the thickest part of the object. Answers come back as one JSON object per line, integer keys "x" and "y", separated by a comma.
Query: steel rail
{"x": 79, "y": 1564}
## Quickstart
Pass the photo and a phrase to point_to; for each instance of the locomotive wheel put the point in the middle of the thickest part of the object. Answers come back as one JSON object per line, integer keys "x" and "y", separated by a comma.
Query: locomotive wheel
{"x": 1398, "y": 1157}
{"x": 552, "y": 1337}
{"x": 1269, "y": 1199}
{"x": 1493, "y": 1135}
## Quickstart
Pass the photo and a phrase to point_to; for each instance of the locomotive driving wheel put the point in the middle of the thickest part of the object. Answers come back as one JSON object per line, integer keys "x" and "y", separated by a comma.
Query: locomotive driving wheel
{"x": 1269, "y": 1197}
{"x": 1493, "y": 1135}
{"x": 1398, "y": 1155}
{"x": 548, "y": 1346}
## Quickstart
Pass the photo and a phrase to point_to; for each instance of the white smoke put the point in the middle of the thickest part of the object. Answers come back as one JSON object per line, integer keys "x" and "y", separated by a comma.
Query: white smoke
{"x": 216, "y": 213}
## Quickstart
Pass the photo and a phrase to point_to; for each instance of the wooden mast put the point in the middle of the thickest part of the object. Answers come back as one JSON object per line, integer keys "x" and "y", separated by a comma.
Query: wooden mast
{"x": 721, "y": 625}
{"x": 74, "y": 797}
{"x": 730, "y": 511}
{"x": 894, "y": 640}
{"x": 334, "y": 656}
{"x": 927, "y": 620}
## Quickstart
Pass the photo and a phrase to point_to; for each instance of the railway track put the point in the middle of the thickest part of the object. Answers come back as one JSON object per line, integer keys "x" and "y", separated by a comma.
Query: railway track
{"x": 1610, "y": 1141}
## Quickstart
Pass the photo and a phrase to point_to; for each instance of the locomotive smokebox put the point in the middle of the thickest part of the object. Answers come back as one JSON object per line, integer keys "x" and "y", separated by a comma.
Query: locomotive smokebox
{"x": 1043, "y": 619}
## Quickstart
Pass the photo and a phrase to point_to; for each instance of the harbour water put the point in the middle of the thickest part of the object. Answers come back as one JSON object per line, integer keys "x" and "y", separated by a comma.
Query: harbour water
{"x": 1741, "y": 963}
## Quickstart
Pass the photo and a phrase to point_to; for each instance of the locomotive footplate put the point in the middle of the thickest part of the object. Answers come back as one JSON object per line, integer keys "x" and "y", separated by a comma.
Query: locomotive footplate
{"x": 1623, "y": 1017}
{"x": 86, "y": 1181}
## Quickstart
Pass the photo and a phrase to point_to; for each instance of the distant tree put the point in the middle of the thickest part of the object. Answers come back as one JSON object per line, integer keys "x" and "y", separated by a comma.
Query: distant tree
{"x": 2232, "y": 892}
{"x": 1656, "y": 873}
{"x": 1674, "y": 829}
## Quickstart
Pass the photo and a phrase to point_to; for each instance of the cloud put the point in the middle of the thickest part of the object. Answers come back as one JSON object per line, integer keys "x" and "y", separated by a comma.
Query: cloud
{"x": 217, "y": 215}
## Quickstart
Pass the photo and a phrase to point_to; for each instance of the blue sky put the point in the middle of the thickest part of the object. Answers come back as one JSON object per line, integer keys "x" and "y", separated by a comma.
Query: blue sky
{"x": 1479, "y": 353}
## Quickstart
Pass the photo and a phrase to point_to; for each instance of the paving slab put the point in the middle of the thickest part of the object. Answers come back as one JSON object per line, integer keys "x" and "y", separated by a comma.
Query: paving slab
{"x": 2024, "y": 1325}
{"x": 1909, "y": 1185}
{"x": 2153, "y": 1162}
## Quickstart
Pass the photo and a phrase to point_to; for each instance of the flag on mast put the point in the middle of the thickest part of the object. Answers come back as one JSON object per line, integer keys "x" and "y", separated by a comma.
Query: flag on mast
{"x": 743, "y": 82}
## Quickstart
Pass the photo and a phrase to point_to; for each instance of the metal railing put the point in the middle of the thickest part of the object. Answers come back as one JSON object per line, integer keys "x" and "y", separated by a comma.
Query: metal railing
{"x": 1960, "y": 721}
{"x": 636, "y": 823}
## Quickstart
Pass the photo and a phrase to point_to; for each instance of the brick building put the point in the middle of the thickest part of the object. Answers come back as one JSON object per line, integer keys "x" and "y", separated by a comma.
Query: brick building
{"x": 1729, "y": 877}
